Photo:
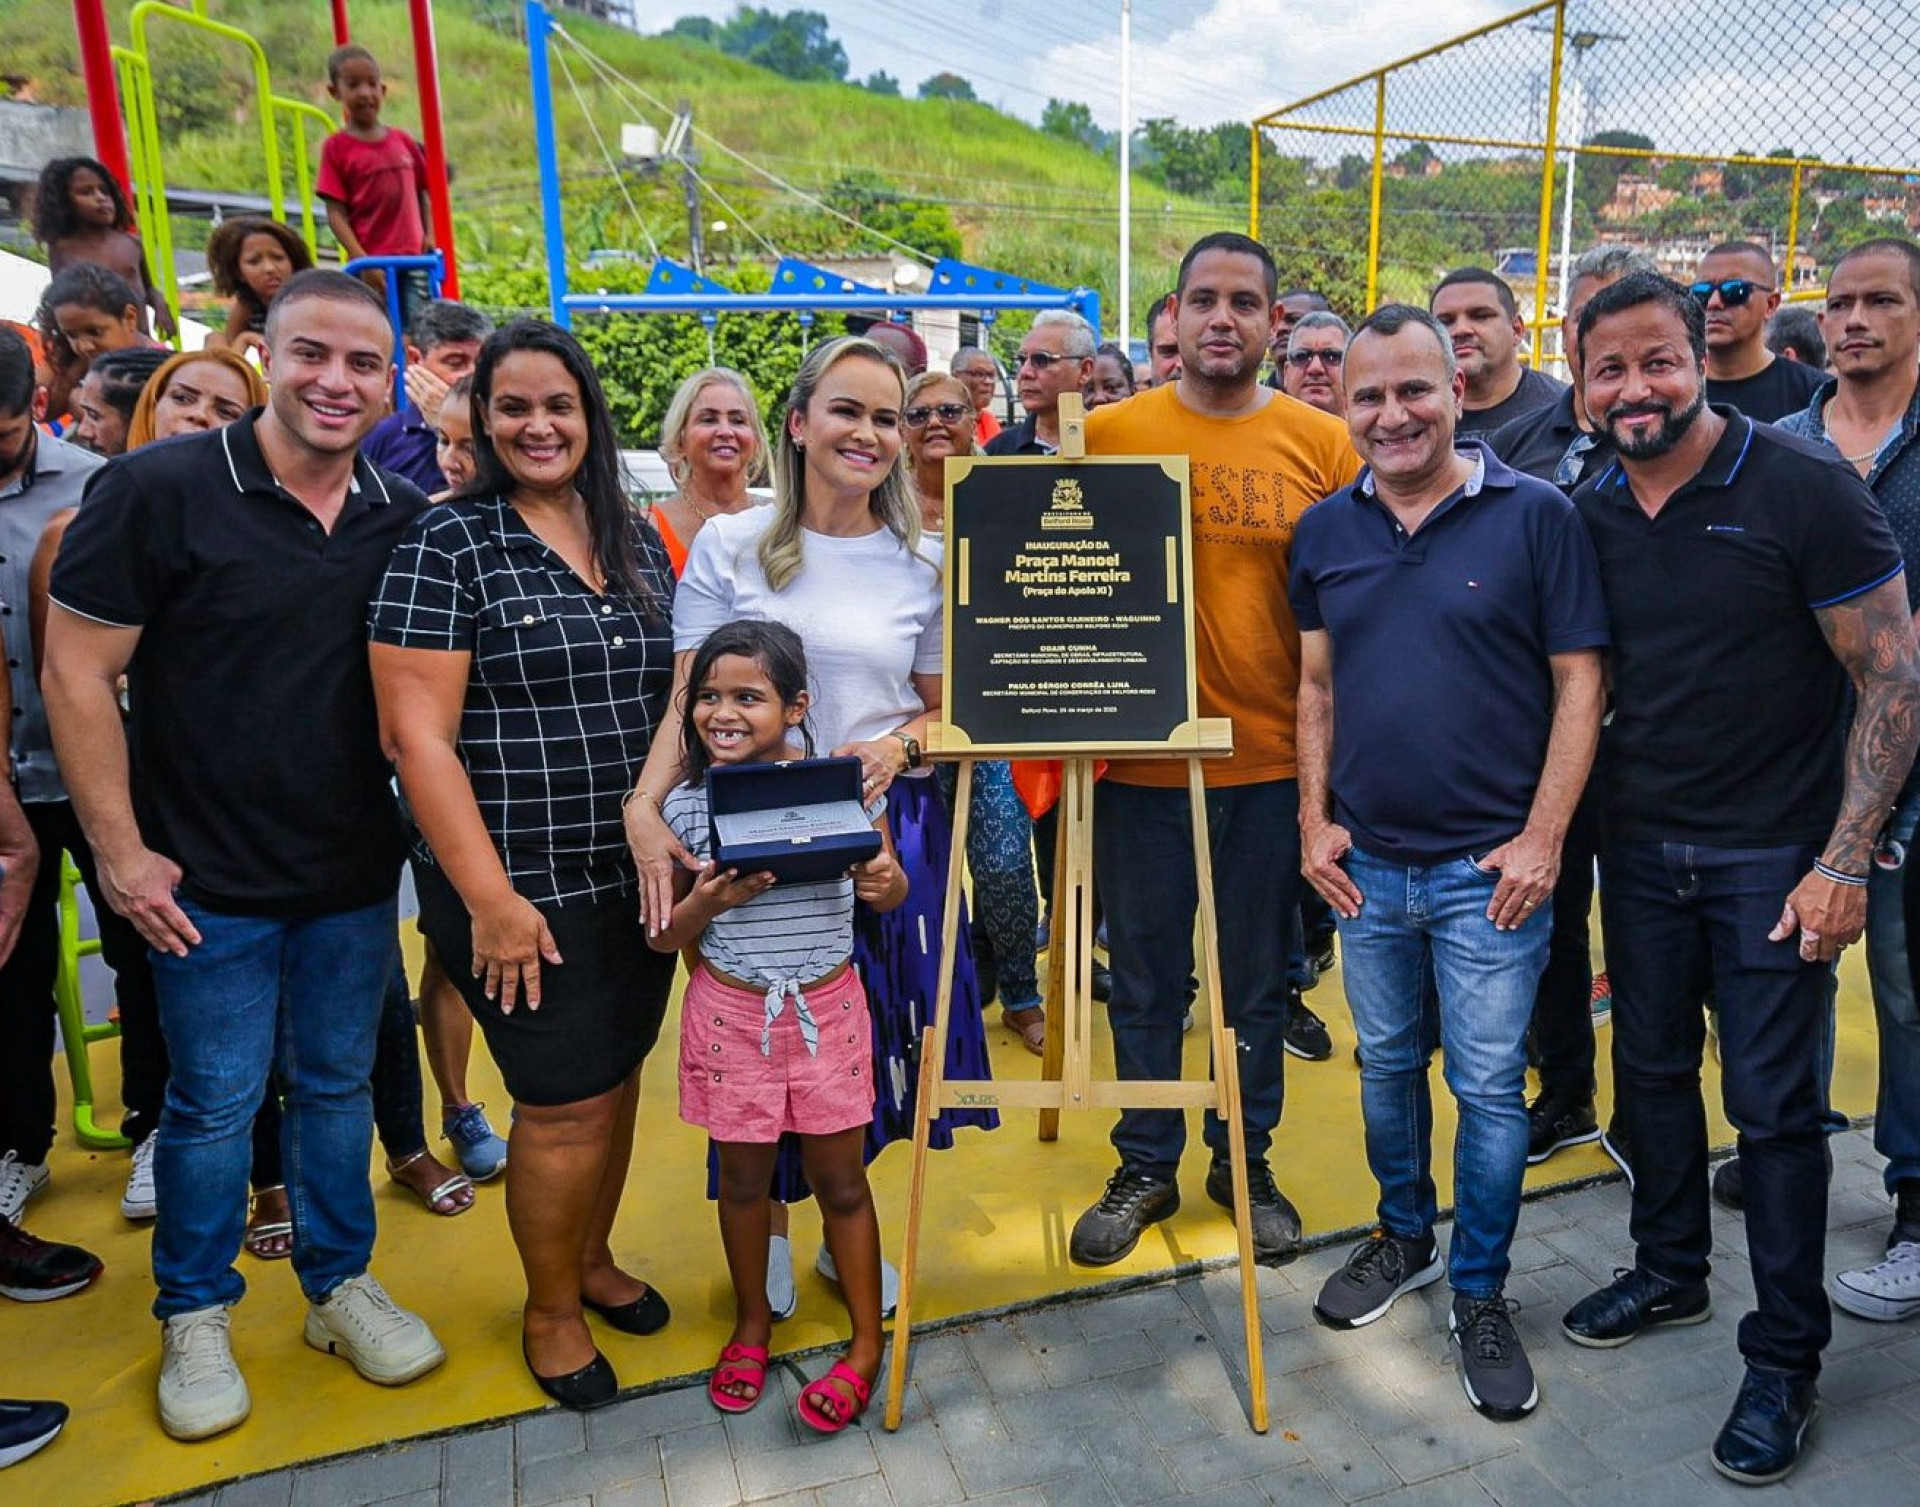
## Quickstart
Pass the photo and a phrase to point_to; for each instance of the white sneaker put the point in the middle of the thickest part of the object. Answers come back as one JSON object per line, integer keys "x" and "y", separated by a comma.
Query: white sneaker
{"x": 201, "y": 1390}
{"x": 384, "y": 1342}
{"x": 889, "y": 1278}
{"x": 781, "y": 1297}
{"x": 1889, "y": 1291}
{"x": 138, "y": 1201}
{"x": 19, "y": 1181}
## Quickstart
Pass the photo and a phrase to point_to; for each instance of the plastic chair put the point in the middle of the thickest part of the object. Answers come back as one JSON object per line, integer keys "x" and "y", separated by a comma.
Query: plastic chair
{"x": 75, "y": 1033}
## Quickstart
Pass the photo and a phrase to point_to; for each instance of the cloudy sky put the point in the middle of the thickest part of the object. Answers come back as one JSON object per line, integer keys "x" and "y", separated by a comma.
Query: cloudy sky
{"x": 1811, "y": 74}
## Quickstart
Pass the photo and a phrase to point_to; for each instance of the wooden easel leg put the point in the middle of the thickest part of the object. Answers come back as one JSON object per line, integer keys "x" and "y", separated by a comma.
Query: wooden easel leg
{"x": 1226, "y": 1073}
{"x": 930, "y": 1075}
{"x": 1061, "y": 918}
{"x": 929, "y": 1086}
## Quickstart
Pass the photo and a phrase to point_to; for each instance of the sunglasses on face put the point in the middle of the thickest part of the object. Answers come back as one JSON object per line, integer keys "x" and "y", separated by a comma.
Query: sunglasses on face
{"x": 946, "y": 413}
{"x": 1041, "y": 360}
{"x": 1301, "y": 360}
{"x": 1733, "y": 292}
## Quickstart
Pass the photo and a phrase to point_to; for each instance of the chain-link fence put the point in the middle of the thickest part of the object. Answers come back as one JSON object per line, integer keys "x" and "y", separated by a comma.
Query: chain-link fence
{"x": 1673, "y": 127}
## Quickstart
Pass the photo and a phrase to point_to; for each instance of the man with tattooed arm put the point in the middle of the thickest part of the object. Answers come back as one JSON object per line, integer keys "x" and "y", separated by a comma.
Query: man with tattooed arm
{"x": 1749, "y": 578}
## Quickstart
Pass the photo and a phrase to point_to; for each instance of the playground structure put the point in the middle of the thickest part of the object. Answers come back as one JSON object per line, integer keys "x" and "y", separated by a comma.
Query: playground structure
{"x": 1610, "y": 114}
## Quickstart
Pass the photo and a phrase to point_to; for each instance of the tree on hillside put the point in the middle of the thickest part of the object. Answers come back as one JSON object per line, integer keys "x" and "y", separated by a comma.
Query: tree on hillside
{"x": 1070, "y": 120}
{"x": 796, "y": 45}
{"x": 882, "y": 82}
{"x": 870, "y": 199}
{"x": 1195, "y": 160}
{"x": 1596, "y": 176}
{"x": 947, "y": 86}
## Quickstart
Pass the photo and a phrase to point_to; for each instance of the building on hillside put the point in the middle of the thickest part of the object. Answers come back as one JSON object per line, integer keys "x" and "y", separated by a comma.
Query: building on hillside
{"x": 1635, "y": 195}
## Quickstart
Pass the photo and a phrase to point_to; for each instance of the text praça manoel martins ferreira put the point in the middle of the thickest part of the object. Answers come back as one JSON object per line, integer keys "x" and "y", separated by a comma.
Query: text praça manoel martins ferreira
{"x": 1066, "y": 619}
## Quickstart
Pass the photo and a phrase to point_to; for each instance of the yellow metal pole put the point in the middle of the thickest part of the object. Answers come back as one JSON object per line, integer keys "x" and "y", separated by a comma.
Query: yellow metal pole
{"x": 1253, "y": 189}
{"x": 1379, "y": 171}
{"x": 1793, "y": 226}
{"x": 1545, "y": 245}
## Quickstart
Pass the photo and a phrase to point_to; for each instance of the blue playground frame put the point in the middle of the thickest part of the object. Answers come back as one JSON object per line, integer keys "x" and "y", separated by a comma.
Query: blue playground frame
{"x": 986, "y": 291}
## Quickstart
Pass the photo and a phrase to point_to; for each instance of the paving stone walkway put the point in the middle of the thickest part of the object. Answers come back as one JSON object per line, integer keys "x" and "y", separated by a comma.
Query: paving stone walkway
{"x": 1138, "y": 1396}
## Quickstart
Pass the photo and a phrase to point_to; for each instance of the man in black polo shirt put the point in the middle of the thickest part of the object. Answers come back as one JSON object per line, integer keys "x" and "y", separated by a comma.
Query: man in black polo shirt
{"x": 244, "y": 822}
{"x": 1558, "y": 443}
{"x": 1749, "y": 577}
{"x": 1485, "y": 656}
{"x": 1479, "y": 312}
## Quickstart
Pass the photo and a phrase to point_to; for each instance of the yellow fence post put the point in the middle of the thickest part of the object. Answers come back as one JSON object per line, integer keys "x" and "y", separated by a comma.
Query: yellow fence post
{"x": 1793, "y": 225}
{"x": 1379, "y": 171}
{"x": 1545, "y": 244}
{"x": 1253, "y": 190}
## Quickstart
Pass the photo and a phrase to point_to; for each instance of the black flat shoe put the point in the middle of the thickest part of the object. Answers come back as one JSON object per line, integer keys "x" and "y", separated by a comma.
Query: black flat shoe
{"x": 646, "y": 1314}
{"x": 593, "y": 1386}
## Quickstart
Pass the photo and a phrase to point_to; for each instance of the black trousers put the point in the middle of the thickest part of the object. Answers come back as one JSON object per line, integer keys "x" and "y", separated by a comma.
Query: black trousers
{"x": 27, "y": 1012}
{"x": 1562, "y": 1007}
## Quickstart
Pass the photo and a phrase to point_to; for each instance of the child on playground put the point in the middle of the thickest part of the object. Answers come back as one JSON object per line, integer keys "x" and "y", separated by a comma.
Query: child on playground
{"x": 80, "y": 215}
{"x": 92, "y": 310}
{"x": 373, "y": 178}
{"x": 774, "y": 1035}
{"x": 251, "y": 258}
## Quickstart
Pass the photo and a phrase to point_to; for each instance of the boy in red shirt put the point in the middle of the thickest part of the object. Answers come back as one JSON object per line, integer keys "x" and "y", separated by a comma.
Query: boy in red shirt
{"x": 373, "y": 178}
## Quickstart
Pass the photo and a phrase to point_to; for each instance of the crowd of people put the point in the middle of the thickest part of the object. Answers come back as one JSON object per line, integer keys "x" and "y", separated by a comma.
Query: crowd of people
{"x": 1482, "y": 636}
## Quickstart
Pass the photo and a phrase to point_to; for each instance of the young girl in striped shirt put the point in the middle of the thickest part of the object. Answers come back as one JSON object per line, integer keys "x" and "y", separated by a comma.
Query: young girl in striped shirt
{"x": 774, "y": 1035}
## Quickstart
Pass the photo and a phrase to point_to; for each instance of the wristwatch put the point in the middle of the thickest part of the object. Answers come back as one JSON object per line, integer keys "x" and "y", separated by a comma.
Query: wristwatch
{"x": 911, "y": 744}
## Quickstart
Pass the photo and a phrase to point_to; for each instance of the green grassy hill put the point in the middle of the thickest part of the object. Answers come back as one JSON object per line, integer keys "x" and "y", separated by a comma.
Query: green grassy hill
{"x": 1017, "y": 199}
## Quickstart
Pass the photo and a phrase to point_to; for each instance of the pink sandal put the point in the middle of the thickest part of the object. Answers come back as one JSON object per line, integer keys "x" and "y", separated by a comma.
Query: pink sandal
{"x": 740, "y": 1366}
{"x": 815, "y": 1392}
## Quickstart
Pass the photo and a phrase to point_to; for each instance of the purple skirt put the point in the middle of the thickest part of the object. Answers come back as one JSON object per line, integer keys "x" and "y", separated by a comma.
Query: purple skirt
{"x": 898, "y": 957}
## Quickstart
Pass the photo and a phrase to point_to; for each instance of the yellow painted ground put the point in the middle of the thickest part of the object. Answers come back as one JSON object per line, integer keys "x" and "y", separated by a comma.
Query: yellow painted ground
{"x": 995, "y": 1233}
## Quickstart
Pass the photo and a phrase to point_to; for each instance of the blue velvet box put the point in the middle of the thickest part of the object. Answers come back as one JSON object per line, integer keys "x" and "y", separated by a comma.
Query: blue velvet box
{"x": 800, "y": 819}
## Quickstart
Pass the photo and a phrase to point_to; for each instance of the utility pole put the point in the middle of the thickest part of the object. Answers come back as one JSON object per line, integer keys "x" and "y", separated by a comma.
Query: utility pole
{"x": 696, "y": 241}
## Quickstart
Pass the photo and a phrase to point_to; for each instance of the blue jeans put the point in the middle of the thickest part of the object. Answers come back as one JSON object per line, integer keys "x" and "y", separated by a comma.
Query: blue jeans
{"x": 1896, "y": 1116}
{"x": 1432, "y": 919}
{"x": 256, "y": 994}
{"x": 1672, "y": 913}
{"x": 1143, "y": 857}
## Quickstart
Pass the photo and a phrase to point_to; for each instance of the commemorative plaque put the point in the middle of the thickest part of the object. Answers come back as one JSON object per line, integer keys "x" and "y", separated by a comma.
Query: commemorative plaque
{"x": 1069, "y": 608}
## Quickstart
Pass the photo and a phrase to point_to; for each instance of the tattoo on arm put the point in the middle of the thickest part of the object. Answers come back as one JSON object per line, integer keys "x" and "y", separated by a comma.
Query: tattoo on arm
{"x": 1872, "y": 635}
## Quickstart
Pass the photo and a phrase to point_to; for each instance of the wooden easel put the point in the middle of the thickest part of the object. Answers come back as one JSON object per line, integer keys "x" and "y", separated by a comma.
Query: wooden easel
{"x": 1067, "y": 1079}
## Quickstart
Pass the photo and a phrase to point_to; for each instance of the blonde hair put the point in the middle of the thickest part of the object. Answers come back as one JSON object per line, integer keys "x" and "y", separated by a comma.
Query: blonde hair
{"x": 892, "y": 502}
{"x": 933, "y": 379}
{"x": 673, "y": 428}
{"x": 140, "y": 430}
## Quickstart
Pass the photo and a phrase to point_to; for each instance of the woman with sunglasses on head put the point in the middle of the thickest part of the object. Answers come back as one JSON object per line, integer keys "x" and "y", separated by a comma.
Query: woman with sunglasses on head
{"x": 713, "y": 441}
{"x": 940, "y": 421}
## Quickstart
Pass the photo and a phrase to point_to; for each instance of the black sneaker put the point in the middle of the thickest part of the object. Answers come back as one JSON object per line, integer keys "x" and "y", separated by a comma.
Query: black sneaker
{"x": 1102, "y": 986}
{"x": 1320, "y": 953}
{"x": 1613, "y": 1141}
{"x": 1276, "y": 1222}
{"x": 1906, "y": 1213}
{"x": 28, "y": 1426}
{"x": 1553, "y": 1124}
{"x": 1305, "y": 1034}
{"x": 1111, "y": 1228}
{"x": 1729, "y": 1187}
{"x": 37, "y": 1271}
{"x": 1493, "y": 1363}
{"x": 1633, "y": 1301}
{"x": 1761, "y": 1439}
{"x": 1377, "y": 1271}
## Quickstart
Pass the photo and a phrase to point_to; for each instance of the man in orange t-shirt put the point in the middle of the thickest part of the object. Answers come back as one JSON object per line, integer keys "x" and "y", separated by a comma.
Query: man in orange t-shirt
{"x": 1259, "y": 460}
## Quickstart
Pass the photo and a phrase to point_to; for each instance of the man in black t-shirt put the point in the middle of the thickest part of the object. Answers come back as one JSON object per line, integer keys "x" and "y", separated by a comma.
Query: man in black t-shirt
{"x": 244, "y": 822}
{"x": 1750, "y": 578}
{"x": 1480, "y": 314}
{"x": 1736, "y": 285}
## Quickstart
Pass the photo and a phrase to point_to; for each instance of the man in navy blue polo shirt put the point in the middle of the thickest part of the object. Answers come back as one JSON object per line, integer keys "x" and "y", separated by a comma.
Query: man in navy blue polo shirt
{"x": 1450, "y": 695}
{"x": 1749, "y": 578}
{"x": 244, "y": 821}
